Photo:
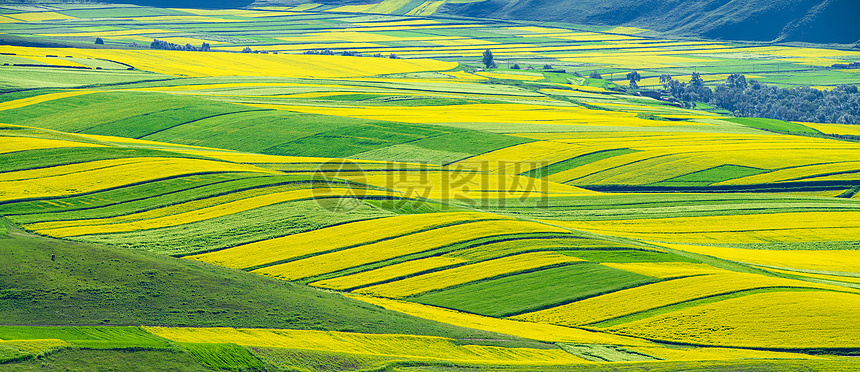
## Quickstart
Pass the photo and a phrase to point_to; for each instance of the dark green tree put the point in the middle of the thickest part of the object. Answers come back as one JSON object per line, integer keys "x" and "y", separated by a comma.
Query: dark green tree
{"x": 696, "y": 79}
{"x": 99, "y": 40}
{"x": 595, "y": 75}
{"x": 488, "y": 59}
{"x": 665, "y": 79}
{"x": 633, "y": 76}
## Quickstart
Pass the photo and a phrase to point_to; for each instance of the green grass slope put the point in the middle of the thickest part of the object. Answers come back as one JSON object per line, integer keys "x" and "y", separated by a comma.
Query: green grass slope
{"x": 93, "y": 284}
{"x": 787, "y": 20}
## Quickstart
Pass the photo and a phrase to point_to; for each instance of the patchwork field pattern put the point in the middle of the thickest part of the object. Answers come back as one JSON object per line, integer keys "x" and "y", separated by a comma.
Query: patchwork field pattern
{"x": 545, "y": 220}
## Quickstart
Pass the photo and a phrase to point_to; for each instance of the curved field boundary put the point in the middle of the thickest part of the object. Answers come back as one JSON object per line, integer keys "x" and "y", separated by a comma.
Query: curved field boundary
{"x": 183, "y": 218}
{"x": 534, "y": 331}
{"x": 103, "y": 175}
{"x": 24, "y": 102}
{"x": 616, "y": 304}
{"x": 468, "y": 273}
{"x": 441, "y": 251}
{"x": 236, "y": 229}
{"x": 692, "y": 303}
{"x": 284, "y": 249}
{"x": 389, "y": 273}
{"x": 426, "y": 348}
{"x": 418, "y": 242}
{"x": 15, "y": 144}
{"x": 47, "y": 158}
{"x": 121, "y": 213}
{"x": 817, "y": 320}
{"x": 139, "y": 193}
{"x": 167, "y": 194}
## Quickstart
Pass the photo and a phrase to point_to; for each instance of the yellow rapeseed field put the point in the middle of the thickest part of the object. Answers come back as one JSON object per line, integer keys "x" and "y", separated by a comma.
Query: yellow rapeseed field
{"x": 651, "y": 296}
{"x": 400, "y": 246}
{"x": 12, "y": 144}
{"x": 666, "y": 270}
{"x": 468, "y": 273}
{"x": 717, "y": 353}
{"x": 790, "y": 174}
{"x": 783, "y": 320}
{"x": 499, "y": 249}
{"x": 335, "y": 237}
{"x": 406, "y": 346}
{"x": 840, "y": 129}
{"x": 39, "y": 16}
{"x": 466, "y": 182}
{"x": 105, "y": 174}
{"x": 387, "y": 272}
{"x": 35, "y": 346}
{"x": 534, "y": 331}
{"x": 844, "y": 261}
{"x": 18, "y": 103}
{"x": 180, "y": 63}
{"x": 752, "y": 228}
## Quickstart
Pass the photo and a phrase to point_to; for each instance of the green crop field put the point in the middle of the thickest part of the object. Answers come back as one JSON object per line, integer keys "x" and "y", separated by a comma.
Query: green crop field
{"x": 533, "y": 291}
{"x": 349, "y": 187}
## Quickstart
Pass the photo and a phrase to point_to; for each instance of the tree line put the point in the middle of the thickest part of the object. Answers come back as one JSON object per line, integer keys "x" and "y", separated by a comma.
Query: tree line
{"x": 750, "y": 98}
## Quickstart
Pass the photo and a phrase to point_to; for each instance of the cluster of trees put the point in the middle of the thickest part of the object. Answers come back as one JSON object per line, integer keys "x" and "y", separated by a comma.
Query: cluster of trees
{"x": 840, "y": 105}
{"x": 345, "y": 53}
{"x": 749, "y": 98}
{"x": 163, "y": 45}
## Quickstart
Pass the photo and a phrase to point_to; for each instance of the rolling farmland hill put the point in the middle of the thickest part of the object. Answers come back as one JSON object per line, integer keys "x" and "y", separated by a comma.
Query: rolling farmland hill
{"x": 280, "y": 210}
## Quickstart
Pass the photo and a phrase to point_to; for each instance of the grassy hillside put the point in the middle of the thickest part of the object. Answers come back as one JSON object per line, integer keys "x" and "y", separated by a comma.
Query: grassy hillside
{"x": 92, "y": 284}
{"x": 763, "y": 20}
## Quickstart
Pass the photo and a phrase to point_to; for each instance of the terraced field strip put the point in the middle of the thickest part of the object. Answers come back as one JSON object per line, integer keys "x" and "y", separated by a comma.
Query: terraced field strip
{"x": 334, "y": 238}
{"x": 13, "y": 350}
{"x": 465, "y": 184}
{"x": 853, "y": 278}
{"x": 506, "y": 248}
{"x": 405, "y": 346}
{"x": 800, "y": 173}
{"x": 533, "y": 290}
{"x": 468, "y": 273}
{"x": 387, "y": 273}
{"x": 147, "y": 199}
{"x": 750, "y": 228}
{"x": 666, "y": 270}
{"x": 529, "y": 330}
{"x": 820, "y": 261}
{"x": 13, "y": 144}
{"x": 656, "y": 295}
{"x": 204, "y": 201}
{"x": 717, "y": 353}
{"x": 94, "y": 337}
{"x": 178, "y": 63}
{"x": 414, "y": 243}
{"x": 815, "y": 319}
{"x": 483, "y": 113}
{"x": 121, "y": 200}
{"x": 101, "y": 175}
{"x": 164, "y": 218}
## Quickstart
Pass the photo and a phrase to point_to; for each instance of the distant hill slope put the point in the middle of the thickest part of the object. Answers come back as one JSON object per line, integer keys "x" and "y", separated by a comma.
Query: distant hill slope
{"x": 199, "y": 4}
{"x": 819, "y": 21}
